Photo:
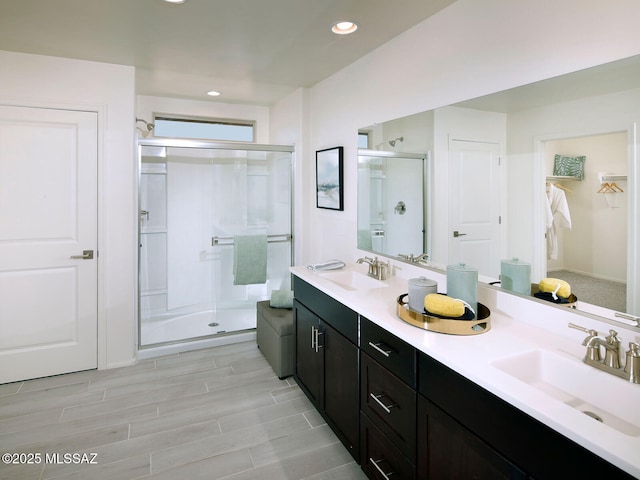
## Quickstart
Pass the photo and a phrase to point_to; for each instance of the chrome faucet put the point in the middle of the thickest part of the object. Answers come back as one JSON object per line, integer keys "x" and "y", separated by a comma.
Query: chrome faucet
{"x": 377, "y": 269}
{"x": 611, "y": 361}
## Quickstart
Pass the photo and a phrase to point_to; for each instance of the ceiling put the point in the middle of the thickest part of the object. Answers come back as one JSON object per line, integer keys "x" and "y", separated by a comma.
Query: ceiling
{"x": 252, "y": 51}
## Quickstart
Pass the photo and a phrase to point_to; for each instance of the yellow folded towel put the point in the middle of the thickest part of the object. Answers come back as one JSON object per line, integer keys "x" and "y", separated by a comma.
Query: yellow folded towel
{"x": 442, "y": 305}
{"x": 551, "y": 284}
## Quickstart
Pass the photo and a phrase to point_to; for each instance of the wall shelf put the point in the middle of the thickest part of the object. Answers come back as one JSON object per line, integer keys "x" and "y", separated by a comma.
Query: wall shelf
{"x": 560, "y": 178}
{"x": 613, "y": 178}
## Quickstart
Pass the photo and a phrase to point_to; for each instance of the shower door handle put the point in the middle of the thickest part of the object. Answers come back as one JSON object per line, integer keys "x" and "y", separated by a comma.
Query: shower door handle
{"x": 86, "y": 255}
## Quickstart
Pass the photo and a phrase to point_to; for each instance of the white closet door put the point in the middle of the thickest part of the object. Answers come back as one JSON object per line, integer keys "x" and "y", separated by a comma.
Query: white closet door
{"x": 48, "y": 216}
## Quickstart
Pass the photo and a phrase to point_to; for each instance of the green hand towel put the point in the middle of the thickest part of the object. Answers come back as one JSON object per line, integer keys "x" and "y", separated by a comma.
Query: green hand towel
{"x": 281, "y": 299}
{"x": 249, "y": 259}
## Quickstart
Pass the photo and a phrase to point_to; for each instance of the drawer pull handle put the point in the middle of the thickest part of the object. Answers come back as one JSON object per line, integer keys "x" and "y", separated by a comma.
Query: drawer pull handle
{"x": 379, "y": 347}
{"x": 377, "y": 467}
{"x": 386, "y": 408}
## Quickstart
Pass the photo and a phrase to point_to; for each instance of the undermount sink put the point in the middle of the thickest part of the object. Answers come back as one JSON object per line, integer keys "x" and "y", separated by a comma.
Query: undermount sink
{"x": 604, "y": 397}
{"x": 351, "y": 280}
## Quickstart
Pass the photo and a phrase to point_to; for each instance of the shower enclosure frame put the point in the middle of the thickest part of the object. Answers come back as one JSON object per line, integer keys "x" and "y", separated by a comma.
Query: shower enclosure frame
{"x": 198, "y": 144}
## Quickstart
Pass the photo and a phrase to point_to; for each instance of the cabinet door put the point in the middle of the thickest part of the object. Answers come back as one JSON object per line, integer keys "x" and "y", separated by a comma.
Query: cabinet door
{"x": 380, "y": 458}
{"x": 308, "y": 354}
{"x": 448, "y": 450}
{"x": 340, "y": 399}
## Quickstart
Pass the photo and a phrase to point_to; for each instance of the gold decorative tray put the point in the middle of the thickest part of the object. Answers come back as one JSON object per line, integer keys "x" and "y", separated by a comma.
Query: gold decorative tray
{"x": 445, "y": 325}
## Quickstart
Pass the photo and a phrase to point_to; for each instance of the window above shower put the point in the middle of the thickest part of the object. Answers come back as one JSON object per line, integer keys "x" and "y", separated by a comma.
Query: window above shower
{"x": 202, "y": 128}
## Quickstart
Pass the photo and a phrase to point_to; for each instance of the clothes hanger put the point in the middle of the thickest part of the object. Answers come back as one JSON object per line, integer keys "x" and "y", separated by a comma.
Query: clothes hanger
{"x": 615, "y": 187}
{"x": 562, "y": 188}
{"x": 610, "y": 188}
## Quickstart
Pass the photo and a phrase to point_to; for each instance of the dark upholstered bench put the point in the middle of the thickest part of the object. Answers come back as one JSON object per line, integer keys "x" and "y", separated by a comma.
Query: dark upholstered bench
{"x": 274, "y": 329}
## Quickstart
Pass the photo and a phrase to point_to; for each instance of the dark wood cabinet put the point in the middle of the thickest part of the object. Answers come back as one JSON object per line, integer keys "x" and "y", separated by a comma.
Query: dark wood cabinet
{"x": 387, "y": 404}
{"x": 492, "y": 432}
{"x": 404, "y": 415}
{"x": 381, "y": 459}
{"x": 327, "y": 367}
{"x": 448, "y": 450}
{"x": 308, "y": 368}
{"x": 340, "y": 399}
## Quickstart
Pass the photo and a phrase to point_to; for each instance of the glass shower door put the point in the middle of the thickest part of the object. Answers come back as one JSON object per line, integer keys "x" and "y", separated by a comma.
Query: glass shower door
{"x": 210, "y": 196}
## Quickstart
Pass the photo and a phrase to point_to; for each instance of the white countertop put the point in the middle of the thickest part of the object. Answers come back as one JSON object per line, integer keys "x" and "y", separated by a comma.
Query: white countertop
{"x": 472, "y": 357}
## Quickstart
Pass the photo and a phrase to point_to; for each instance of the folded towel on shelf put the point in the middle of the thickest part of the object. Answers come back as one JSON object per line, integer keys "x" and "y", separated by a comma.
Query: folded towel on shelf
{"x": 249, "y": 259}
{"x": 281, "y": 299}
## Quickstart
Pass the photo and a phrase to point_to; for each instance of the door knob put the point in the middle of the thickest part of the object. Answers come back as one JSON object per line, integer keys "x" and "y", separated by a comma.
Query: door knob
{"x": 86, "y": 255}
{"x": 457, "y": 234}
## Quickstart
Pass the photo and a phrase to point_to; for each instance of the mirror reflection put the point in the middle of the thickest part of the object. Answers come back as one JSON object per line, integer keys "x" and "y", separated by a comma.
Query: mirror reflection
{"x": 391, "y": 203}
{"x": 498, "y": 160}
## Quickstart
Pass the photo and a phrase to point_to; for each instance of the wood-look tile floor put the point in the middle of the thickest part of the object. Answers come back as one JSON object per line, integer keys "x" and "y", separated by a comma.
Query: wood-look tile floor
{"x": 218, "y": 413}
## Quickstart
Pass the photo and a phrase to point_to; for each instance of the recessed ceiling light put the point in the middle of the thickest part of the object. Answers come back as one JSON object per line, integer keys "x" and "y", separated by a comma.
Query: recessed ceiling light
{"x": 175, "y": 1}
{"x": 213, "y": 93}
{"x": 344, "y": 27}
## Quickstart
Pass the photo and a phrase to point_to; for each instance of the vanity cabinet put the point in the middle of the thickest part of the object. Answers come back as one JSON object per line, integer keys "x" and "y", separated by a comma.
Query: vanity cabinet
{"x": 465, "y": 430}
{"x": 404, "y": 415}
{"x": 448, "y": 450}
{"x": 387, "y": 404}
{"x": 326, "y": 334}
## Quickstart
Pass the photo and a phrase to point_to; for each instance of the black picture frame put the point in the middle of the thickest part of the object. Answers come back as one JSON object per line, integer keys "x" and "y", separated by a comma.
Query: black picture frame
{"x": 329, "y": 178}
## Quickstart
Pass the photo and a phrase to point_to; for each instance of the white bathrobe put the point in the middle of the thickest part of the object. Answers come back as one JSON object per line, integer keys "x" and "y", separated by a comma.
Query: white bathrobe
{"x": 558, "y": 216}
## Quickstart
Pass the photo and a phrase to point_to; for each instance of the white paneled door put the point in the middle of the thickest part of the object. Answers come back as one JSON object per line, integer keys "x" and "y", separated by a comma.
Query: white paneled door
{"x": 48, "y": 242}
{"x": 474, "y": 205}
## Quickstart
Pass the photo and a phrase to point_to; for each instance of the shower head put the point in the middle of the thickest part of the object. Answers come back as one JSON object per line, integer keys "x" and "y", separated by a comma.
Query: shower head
{"x": 147, "y": 124}
{"x": 393, "y": 142}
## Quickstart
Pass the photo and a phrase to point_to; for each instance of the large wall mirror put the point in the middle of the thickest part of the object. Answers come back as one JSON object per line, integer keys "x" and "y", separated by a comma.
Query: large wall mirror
{"x": 496, "y": 164}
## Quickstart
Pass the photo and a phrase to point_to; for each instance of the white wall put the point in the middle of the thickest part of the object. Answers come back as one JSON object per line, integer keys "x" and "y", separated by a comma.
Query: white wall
{"x": 290, "y": 124}
{"x": 469, "y": 49}
{"x": 34, "y": 80}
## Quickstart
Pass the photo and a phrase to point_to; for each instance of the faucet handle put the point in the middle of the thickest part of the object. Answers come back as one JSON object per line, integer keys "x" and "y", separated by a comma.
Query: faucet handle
{"x": 613, "y": 338}
{"x": 592, "y": 333}
{"x": 632, "y": 365}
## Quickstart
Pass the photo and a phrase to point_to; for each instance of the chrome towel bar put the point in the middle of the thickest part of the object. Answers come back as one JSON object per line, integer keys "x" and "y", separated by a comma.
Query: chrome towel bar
{"x": 220, "y": 241}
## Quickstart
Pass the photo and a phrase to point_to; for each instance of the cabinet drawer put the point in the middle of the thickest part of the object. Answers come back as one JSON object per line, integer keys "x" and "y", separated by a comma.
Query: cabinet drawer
{"x": 380, "y": 459}
{"x": 392, "y": 353}
{"x": 389, "y": 403}
{"x": 340, "y": 317}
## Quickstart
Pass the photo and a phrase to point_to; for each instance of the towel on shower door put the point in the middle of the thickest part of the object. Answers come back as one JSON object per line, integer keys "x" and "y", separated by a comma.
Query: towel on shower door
{"x": 249, "y": 259}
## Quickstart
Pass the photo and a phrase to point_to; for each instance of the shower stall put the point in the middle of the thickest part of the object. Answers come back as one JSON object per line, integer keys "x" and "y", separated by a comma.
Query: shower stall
{"x": 195, "y": 199}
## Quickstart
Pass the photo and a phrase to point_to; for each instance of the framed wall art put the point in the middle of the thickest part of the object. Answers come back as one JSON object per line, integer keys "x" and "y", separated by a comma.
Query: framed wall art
{"x": 329, "y": 176}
